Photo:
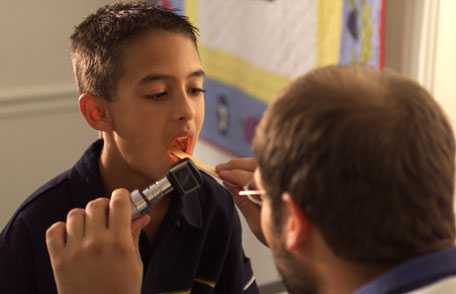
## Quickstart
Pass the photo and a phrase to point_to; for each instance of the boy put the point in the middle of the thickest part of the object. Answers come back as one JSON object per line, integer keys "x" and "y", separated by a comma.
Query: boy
{"x": 141, "y": 85}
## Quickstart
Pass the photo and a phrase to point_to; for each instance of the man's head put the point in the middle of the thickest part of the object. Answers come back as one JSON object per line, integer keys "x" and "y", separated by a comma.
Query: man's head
{"x": 141, "y": 84}
{"x": 364, "y": 157}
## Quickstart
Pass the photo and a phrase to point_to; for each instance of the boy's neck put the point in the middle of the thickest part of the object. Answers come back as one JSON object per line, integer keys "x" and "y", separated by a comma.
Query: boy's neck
{"x": 115, "y": 173}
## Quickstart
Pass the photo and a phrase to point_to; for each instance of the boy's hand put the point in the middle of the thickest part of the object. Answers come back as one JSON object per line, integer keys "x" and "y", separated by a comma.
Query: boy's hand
{"x": 96, "y": 250}
{"x": 235, "y": 174}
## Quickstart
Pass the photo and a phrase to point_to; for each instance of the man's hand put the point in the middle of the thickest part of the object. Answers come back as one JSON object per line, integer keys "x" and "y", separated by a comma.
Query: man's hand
{"x": 96, "y": 250}
{"x": 235, "y": 174}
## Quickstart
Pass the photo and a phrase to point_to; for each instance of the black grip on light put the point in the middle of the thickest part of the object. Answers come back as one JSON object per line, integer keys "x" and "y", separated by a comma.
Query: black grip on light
{"x": 185, "y": 177}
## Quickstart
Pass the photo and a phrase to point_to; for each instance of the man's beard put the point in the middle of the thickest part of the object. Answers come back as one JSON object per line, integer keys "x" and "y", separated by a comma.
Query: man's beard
{"x": 297, "y": 278}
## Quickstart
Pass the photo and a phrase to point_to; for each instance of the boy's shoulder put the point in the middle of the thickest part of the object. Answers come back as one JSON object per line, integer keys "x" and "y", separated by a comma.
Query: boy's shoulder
{"x": 215, "y": 199}
{"x": 52, "y": 201}
{"x": 43, "y": 207}
{"x": 216, "y": 192}
{"x": 46, "y": 192}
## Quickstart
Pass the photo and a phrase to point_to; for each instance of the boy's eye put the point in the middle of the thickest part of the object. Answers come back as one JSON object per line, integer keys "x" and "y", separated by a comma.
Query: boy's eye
{"x": 196, "y": 91}
{"x": 156, "y": 95}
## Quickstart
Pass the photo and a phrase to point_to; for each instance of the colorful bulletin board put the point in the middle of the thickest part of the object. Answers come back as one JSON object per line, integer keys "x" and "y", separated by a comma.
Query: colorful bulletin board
{"x": 251, "y": 49}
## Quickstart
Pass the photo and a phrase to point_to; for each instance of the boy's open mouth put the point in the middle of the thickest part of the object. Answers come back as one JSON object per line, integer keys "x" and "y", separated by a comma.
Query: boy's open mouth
{"x": 180, "y": 144}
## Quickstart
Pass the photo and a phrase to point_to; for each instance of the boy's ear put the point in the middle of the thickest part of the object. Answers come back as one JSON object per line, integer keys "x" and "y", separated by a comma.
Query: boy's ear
{"x": 297, "y": 227}
{"x": 94, "y": 110}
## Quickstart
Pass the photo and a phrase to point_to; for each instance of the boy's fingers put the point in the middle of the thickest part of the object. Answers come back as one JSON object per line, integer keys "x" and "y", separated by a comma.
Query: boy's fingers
{"x": 120, "y": 211}
{"x": 96, "y": 216}
{"x": 75, "y": 223}
{"x": 244, "y": 163}
{"x": 55, "y": 238}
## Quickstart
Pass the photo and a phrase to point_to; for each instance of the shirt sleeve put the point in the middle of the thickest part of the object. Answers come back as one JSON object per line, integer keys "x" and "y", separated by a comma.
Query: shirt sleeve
{"x": 16, "y": 265}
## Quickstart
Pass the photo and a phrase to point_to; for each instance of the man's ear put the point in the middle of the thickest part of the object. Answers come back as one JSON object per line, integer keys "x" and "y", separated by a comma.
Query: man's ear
{"x": 94, "y": 109}
{"x": 297, "y": 227}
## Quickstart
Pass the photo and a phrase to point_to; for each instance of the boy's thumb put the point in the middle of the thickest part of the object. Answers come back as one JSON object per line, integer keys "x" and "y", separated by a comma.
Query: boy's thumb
{"x": 137, "y": 225}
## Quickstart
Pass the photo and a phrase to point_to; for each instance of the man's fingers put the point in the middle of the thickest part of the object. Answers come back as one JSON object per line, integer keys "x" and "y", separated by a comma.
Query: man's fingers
{"x": 55, "y": 238}
{"x": 75, "y": 223}
{"x": 251, "y": 213}
{"x": 244, "y": 163}
{"x": 120, "y": 211}
{"x": 96, "y": 216}
{"x": 236, "y": 177}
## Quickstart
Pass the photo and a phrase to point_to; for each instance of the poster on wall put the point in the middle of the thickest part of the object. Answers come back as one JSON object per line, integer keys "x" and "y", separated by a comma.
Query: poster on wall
{"x": 250, "y": 50}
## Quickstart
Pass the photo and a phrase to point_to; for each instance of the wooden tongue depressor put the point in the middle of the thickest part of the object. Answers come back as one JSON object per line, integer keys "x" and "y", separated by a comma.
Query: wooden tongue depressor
{"x": 200, "y": 164}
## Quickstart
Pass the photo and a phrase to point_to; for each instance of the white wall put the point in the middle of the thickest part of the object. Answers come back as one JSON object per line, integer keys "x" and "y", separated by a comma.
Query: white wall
{"x": 41, "y": 132}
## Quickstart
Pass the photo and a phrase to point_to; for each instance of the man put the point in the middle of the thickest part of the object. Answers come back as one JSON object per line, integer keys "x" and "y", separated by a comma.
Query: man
{"x": 141, "y": 85}
{"x": 357, "y": 169}
{"x": 355, "y": 176}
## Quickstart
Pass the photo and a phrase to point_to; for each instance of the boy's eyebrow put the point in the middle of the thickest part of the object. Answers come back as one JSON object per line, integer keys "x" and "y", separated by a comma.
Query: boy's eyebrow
{"x": 157, "y": 77}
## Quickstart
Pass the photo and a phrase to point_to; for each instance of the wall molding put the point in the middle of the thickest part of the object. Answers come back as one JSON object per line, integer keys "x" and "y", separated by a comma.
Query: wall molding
{"x": 38, "y": 101}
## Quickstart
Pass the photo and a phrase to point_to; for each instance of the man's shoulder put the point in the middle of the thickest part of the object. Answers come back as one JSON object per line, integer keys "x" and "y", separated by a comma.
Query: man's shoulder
{"x": 434, "y": 267}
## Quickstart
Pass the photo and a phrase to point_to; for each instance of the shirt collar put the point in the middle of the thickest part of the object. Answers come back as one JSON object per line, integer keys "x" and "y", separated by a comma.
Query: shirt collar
{"x": 414, "y": 274}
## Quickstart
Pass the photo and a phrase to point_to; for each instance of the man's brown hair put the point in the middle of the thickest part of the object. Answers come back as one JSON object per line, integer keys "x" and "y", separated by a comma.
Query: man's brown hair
{"x": 368, "y": 155}
{"x": 97, "y": 43}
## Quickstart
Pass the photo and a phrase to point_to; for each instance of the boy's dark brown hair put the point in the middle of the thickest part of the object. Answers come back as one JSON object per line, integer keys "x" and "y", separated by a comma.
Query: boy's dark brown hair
{"x": 98, "y": 43}
{"x": 369, "y": 156}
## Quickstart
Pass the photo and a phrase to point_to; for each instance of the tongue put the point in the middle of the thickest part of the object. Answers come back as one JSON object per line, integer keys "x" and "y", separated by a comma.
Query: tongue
{"x": 179, "y": 144}
{"x": 178, "y": 148}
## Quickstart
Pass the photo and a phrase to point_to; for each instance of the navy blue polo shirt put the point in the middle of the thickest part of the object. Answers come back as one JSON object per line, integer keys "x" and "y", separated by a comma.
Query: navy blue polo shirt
{"x": 197, "y": 249}
{"x": 415, "y": 274}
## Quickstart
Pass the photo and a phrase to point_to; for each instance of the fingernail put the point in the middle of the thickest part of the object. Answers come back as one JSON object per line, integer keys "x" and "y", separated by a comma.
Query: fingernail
{"x": 146, "y": 220}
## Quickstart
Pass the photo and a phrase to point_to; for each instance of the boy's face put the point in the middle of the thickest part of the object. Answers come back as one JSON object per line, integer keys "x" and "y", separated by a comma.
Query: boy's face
{"x": 159, "y": 102}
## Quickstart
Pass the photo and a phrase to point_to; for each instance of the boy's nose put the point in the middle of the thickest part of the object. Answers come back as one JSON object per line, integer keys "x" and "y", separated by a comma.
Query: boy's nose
{"x": 185, "y": 109}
